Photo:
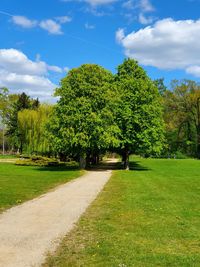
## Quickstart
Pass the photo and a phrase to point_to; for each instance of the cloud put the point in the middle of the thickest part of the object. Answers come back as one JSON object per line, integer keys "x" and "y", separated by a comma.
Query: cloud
{"x": 93, "y": 2}
{"x": 24, "y": 22}
{"x": 99, "y": 2}
{"x": 51, "y": 26}
{"x": 15, "y": 61}
{"x": 140, "y": 7}
{"x": 168, "y": 44}
{"x": 129, "y": 4}
{"x": 120, "y": 35}
{"x": 66, "y": 69}
{"x": 146, "y": 6}
{"x": 89, "y": 26}
{"x": 63, "y": 19}
{"x": 54, "y": 69}
{"x": 145, "y": 20}
{"x": 19, "y": 73}
{"x": 194, "y": 70}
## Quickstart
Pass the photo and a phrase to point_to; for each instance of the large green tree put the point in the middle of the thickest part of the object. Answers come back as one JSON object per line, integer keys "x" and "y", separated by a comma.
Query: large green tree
{"x": 83, "y": 123}
{"x": 139, "y": 113}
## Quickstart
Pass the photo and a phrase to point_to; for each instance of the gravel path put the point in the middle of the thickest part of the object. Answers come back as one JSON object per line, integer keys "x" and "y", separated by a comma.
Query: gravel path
{"x": 29, "y": 231}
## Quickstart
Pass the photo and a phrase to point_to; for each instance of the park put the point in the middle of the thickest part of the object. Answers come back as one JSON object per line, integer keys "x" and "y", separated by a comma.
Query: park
{"x": 107, "y": 176}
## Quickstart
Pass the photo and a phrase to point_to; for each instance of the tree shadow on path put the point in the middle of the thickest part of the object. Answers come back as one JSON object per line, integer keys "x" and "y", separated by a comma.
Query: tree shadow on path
{"x": 117, "y": 165}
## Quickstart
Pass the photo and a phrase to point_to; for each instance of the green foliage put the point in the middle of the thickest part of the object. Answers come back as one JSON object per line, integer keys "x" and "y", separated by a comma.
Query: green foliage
{"x": 31, "y": 128}
{"x": 21, "y": 103}
{"x": 37, "y": 161}
{"x": 139, "y": 113}
{"x": 83, "y": 121}
{"x": 182, "y": 117}
{"x": 159, "y": 83}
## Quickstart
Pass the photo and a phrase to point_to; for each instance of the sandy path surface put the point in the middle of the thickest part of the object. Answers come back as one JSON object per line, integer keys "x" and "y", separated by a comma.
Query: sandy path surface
{"x": 29, "y": 231}
{"x": 7, "y": 160}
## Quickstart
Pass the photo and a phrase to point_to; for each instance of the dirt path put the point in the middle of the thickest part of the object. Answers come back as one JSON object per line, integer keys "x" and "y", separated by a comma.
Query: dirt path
{"x": 7, "y": 160}
{"x": 29, "y": 231}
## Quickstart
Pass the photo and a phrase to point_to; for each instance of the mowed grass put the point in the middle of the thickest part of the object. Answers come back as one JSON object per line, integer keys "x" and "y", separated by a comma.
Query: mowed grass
{"x": 7, "y": 156}
{"x": 149, "y": 216}
{"x": 21, "y": 183}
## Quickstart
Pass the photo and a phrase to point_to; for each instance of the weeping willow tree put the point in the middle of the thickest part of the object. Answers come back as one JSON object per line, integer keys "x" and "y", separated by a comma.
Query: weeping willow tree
{"x": 32, "y": 129}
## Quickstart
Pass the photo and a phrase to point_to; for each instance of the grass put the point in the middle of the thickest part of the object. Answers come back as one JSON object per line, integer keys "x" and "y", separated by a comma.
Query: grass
{"x": 146, "y": 217}
{"x": 19, "y": 183}
{"x": 7, "y": 156}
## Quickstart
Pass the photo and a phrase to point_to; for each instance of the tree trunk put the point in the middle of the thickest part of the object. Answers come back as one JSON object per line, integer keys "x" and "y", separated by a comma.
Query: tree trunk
{"x": 125, "y": 159}
{"x": 3, "y": 141}
{"x": 198, "y": 142}
{"x": 82, "y": 162}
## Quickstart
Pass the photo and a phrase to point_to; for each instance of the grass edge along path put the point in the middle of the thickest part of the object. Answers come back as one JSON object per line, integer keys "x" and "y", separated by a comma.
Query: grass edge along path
{"x": 22, "y": 183}
{"x": 145, "y": 217}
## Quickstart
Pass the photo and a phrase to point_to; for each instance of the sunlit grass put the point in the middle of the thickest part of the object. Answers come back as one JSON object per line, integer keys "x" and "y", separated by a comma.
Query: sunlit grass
{"x": 149, "y": 216}
{"x": 19, "y": 183}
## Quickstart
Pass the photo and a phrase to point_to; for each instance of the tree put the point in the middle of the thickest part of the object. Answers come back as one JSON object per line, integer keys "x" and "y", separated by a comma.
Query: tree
{"x": 22, "y": 102}
{"x": 182, "y": 117}
{"x": 83, "y": 123}
{"x": 139, "y": 115}
{"x": 3, "y": 108}
{"x": 32, "y": 129}
{"x": 159, "y": 83}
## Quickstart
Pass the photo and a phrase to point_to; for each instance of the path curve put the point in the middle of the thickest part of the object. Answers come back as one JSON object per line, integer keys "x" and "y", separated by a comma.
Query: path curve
{"x": 29, "y": 231}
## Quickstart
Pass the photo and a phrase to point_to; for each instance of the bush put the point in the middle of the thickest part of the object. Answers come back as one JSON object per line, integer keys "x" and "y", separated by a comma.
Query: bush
{"x": 37, "y": 161}
{"x": 44, "y": 161}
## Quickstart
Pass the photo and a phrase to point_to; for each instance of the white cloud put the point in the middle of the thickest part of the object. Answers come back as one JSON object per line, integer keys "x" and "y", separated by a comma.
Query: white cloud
{"x": 145, "y": 20}
{"x": 19, "y": 73}
{"x": 89, "y": 26}
{"x": 54, "y": 68}
{"x": 33, "y": 85}
{"x": 93, "y": 2}
{"x": 63, "y": 19}
{"x": 15, "y": 61}
{"x": 99, "y": 2}
{"x": 120, "y": 35}
{"x": 194, "y": 70}
{"x": 66, "y": 69}
{"x": 168, "y": 44}
{"x": 24, "y": 21}
{"x": 140, "y": 7}
{"x": 51, "y": 26}
{"x": 146, "y": 6}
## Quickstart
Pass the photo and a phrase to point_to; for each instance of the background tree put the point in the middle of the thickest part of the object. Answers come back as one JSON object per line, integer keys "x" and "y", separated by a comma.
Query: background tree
{"x": 83, "y": 123}
{"x": 139, "y": 112}
{"x": 3, "y": 110}
{"x": 23, "y": 102}
{"x": 32, "y": 129}
{"x": 182, "y": 117}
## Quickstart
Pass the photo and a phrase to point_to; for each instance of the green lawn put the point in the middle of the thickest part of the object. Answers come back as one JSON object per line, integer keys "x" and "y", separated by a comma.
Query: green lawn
{"x": 149, "y": 217}
{"x": 7, "y": 156}
{"x": 19, "y": 183}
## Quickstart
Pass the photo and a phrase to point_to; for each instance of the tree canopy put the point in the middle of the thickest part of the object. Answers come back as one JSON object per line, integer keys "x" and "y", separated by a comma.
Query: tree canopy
{"x": 139, "y": 111}
{"x": 83, "y": 121}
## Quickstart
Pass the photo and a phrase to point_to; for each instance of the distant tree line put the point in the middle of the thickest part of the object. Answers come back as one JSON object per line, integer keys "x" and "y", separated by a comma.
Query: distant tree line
{"x": 98, "y": 111}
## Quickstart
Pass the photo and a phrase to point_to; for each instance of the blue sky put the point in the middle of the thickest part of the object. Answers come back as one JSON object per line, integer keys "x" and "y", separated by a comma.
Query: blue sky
{"x": 42, "y": 40}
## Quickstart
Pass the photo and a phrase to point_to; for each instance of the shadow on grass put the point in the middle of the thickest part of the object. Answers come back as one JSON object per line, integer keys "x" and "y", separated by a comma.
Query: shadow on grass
{"x": 136, "y": 166}
{"x": 103, "y": 166}
{"x": 57, "y": 168}
{"x": 133, "y": 165}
